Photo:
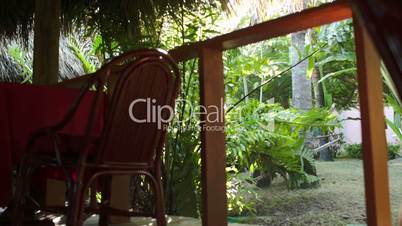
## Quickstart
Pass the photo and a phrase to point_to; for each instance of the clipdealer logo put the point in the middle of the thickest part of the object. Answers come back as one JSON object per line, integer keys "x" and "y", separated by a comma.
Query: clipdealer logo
{"x": 154, "y": 112}
{"x": 211, "y": 117}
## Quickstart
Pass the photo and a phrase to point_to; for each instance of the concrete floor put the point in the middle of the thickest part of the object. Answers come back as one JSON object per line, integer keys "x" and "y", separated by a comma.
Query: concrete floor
{"x": 172, "y": 221}
{"x": 144, "y": 221}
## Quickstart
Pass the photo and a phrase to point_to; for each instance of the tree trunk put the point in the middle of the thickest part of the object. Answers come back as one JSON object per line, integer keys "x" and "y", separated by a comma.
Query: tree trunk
{"x": 325, "y": 154}
{"x": 46, "y": 41}
{"x": 301, "y": 86}
{"x": 318, "y": 89}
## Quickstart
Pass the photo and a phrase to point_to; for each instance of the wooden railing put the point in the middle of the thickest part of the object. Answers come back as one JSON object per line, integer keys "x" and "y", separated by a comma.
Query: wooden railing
{"x": 211, "y": 79}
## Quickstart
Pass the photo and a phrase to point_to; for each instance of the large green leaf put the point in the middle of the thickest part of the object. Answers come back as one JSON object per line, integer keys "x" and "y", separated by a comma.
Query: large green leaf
{"x": 395, "y": 129}
{"x": 346, "y": 56}
{"x": 336, "y": 73}
{"x": 389, "y": 83}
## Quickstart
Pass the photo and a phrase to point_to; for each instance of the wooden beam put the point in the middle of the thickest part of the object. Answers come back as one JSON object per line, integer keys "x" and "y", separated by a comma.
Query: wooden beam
{"x": 46, "y": 41}
{"x": 373, "y": 130}
{"x": 213, "y": 153}
{"x": 328, "y": 13}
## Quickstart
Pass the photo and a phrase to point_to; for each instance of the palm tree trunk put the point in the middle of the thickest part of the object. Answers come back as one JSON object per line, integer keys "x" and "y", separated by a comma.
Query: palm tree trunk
{"x": 301, "y": 86}
{"x": 318, "y": 89}
{"x": 325, "y": 154}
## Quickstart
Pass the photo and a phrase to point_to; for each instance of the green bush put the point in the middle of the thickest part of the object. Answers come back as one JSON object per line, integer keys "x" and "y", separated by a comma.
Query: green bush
{"x": 269, "y": 139}
{"x": 355, "y": 150}
{"x": 241, "y": 193}
{"x": 393, "y": 151}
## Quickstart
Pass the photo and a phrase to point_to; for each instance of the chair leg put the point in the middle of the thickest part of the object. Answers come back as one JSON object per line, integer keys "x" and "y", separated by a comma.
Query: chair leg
{"x": 106, "y": 186}
{"x": 18, "y": 202}
{"x": 76, "y": 206}
{"x": 93, "y": 202}
{"x": 160, "y": 203}
{"x": 20, "y": 196}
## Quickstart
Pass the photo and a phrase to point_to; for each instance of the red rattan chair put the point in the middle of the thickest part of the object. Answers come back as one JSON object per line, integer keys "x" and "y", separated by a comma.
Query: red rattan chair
{"x": 125, "y": 147}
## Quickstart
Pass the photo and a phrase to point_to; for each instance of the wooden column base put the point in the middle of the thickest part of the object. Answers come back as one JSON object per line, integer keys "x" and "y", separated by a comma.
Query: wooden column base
{"x": 120, "y": 197}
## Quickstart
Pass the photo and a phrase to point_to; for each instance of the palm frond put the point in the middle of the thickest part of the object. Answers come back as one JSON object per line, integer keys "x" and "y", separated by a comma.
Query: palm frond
{"x": 16, "y": 59}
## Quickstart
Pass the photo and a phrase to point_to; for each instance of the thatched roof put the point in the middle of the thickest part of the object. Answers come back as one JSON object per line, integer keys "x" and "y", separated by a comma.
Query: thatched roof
{"x": 120, "y": 19}
{"x": 12, "y": 71}
{"x": 131, "y": 23}
{"x": 125, "y": 21}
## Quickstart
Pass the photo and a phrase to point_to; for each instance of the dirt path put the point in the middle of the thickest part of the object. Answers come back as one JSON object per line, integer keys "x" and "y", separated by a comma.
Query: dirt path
{"x": 338, "y": 201}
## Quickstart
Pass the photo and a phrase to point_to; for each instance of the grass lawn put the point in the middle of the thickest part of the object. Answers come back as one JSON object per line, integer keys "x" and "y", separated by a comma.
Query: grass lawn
{"x": 339, "y": 200}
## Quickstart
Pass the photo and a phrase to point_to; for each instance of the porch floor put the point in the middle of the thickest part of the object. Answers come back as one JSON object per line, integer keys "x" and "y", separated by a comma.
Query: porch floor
{"x": 142, "y": 221}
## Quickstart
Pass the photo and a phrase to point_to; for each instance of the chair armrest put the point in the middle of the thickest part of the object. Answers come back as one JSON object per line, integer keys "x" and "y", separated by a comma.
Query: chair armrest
{"x": 45, "y": 132}
{"x": 53, "y": 131}
{"x": 85, "y": 84}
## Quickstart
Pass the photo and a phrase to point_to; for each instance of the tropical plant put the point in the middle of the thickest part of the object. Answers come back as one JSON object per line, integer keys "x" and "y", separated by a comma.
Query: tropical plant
{"x": 85, "y": 50}
{"x": 270, "y": 139}
{"x": 392, "y": 99}
{"x": 356, "y": 150}
{"x": 182, "y": 158}
{"x": 336, "y": 64}
{"x": 20, "y": 56}
{"x": 241, "y": 194}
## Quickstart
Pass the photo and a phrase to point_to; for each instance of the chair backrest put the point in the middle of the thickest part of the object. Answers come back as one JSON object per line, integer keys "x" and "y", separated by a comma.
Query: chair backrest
{"x": 142, "y": 86}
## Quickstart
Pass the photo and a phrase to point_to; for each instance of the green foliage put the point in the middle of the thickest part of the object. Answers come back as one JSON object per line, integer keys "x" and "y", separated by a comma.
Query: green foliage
{"x": 241, "y": 194}
{"x": 182, "y": 157}
{"x": 84, "y": 55}
{"x": 395, "y": 125}
{"x": 255, "y": 64}
{"x": 270, "y": 139}
{"x": 393, "y": 100}
{"x": 355, "y": 150}
{"x": 393, "y": 151}
{"x": 337, "y": 64}
{"x": 19, "y": 56}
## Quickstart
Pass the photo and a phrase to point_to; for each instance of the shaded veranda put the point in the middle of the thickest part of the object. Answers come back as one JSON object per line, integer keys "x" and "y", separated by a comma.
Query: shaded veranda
{"x": 214, "y": 193}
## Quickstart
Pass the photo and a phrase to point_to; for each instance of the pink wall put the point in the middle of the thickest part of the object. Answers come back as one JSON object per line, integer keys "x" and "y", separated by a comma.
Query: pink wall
{"x": 352, "y": 128}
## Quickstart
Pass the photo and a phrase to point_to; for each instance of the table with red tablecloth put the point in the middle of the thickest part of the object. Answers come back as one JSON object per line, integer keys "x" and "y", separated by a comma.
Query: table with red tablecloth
{"x": 27, "y": 108}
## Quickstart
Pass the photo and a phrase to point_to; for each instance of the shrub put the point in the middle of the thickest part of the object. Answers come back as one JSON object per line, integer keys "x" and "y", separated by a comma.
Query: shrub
{"x": 241, "y": 194}
{"x": 393, "y": 151}
{"x": 268, "y": 140}
{"x": 355, "y": 150}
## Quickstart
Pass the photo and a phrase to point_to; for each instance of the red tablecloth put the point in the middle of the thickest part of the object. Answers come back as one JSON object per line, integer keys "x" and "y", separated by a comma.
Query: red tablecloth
{"x": 26, "y": 108}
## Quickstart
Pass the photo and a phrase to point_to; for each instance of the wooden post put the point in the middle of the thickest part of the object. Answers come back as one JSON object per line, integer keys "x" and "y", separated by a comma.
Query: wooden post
{"x": 55, "y": 190}
{"x": 120, "y": 197}
{"x": 46, "y": 66}
{"x": 46, "y": 41}
{"x": 373, "y": 130}
{"x": 213, "y": 138}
